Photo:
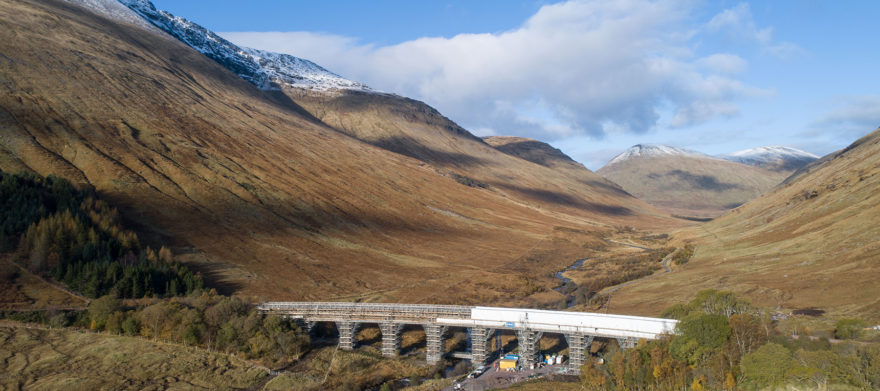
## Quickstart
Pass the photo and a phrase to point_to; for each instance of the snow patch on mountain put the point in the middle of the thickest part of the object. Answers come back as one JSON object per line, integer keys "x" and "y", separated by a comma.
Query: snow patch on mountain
{"x": 654, "y": 151}
{"x": 266, "y": 70}
{"x": 772, "y": 158}
{"x": 113, "y": 9}
{"x": 768, "y": 154}
{"x": 297, "y": 72}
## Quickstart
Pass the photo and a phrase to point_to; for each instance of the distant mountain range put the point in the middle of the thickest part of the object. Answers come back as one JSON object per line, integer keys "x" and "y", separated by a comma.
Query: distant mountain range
{"x": 692, "y": 184}
{"x": 775, "y": 158}
{"x": 811, "y": 242}
{"x": 771, "y": 157}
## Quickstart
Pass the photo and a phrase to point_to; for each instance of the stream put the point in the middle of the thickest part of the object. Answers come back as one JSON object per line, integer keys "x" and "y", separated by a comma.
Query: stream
{"x": 569, "y": 299}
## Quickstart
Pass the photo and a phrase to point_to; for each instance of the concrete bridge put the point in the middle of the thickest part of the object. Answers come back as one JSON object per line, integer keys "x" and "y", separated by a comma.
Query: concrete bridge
{"x": 579, "y": 328}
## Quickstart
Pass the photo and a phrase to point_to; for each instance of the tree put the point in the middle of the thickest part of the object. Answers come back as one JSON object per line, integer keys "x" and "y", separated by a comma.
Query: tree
{"x": 729, "y": 382}
{"x": 699, "y": 336}
{"x": 100, "y": 310}
{"x": 767, "y": 366}
{"x": 592, "y": 378}
{"x": 813, "y": 367}
{"x": 717, "y": 302}
{"x": 849, "y": 328}
{"x": 746, "y": 333}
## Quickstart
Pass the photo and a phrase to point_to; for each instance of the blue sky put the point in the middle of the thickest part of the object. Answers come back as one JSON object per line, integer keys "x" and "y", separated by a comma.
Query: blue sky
{"x": 595, "y": 77}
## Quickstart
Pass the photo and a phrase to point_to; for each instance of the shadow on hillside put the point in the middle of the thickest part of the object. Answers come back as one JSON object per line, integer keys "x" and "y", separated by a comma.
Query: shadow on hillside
{"x": 409, "y": 147}
{"x": 568, "y": 200}
{"x": 703, "y": 182}
{"x": 533, "y": 151}
{"x": 213, "y": 275}
{"x": 607, "y": 186}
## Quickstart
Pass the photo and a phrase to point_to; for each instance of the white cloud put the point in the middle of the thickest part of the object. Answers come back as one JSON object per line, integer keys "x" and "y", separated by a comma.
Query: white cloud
{"x": 580, "y": 67}
{"x": 852, "y": 118}
{"x": 738, "y": 23}
{"x": 724, "y": 63}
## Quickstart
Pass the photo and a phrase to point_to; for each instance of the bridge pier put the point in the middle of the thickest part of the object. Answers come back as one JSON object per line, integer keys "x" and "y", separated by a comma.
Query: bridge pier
{"x": 434, "y": 342}
{"x": 627, "y": 342}
{"x": 306, "y": 326}
{"x": 347, "y": 334}
{"x": 480, "y": 348}
{"x": 528, "y": 346}
{"x": 577, "y": 344}
{"x": 390, "y": 338}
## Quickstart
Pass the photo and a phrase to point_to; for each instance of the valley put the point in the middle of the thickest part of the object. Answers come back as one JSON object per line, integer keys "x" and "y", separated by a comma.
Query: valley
{"x": 158, "y": 183}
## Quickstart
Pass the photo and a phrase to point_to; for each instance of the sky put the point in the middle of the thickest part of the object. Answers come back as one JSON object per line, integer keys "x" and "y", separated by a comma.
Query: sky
{"x": 593, "y": 78}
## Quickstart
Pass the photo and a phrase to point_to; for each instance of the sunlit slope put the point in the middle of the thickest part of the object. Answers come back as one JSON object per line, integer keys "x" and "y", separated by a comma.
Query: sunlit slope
{"x": 813, "y": 242}
{"x": 692, "y": 185}
{"x": 412, "y": 128}
{"x": 260, "y": 195}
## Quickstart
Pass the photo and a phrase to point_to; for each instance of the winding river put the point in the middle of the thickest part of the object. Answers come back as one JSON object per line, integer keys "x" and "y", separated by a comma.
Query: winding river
{"x": 569, "y": 299}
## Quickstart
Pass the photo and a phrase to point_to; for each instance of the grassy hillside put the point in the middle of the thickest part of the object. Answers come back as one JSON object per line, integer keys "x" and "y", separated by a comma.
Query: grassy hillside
{"x": 543, "y": 177}
{"x": 38, "y": 358}
{"x": 692, "y": 186}
{"x": 262, "y": 197}
{"x": 812, "y": 242}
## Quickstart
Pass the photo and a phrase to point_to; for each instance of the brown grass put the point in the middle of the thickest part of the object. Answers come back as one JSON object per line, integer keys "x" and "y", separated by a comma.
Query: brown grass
{"x": 810, "y": 243}
{"x": 39, "y": 358}
{"x": 264, "y": 199}
{"x": 20, "y": 290}
{"x": 692, "y": 186}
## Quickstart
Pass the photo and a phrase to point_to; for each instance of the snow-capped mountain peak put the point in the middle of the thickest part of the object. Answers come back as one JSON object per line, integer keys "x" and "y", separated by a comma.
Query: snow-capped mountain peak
{"x": 266, "y": 70}
{"x": 769, "y": 153}
{"x": 772, "y": 157}
{"x": 298, "y": 72}
{"x": 653, "y": 151}
{"x": 113, "y": 9}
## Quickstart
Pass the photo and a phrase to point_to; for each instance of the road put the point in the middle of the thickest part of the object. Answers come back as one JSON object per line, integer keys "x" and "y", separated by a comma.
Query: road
{"x": 493, "y": 378}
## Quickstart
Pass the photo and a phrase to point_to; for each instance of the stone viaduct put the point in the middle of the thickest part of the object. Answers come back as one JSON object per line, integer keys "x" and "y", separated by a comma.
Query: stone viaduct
{"x": 579, "y": 328}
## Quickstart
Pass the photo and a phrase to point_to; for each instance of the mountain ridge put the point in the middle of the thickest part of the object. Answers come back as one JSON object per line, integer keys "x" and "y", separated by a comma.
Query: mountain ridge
{"x": 266, "y": 70}
{"x": 688, "y": 183}
{"x": 811, "y": 242}
{"x": 778, "y": 158}
{"x": 268, "y": 201}
{"x": 642, "y": 151}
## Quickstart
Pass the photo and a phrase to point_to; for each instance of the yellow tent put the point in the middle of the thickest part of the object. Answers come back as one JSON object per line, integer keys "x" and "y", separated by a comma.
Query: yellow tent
{"x": 507, "y": 364}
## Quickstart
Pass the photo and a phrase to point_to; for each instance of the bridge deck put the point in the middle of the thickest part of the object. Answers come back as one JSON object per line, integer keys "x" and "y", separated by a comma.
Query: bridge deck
{"x": 565, "y": 322}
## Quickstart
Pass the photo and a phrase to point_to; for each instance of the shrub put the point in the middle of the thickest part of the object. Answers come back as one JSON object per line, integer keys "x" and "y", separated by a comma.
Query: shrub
{"x": 767, "y": 366}
{"x": 100, "y": 311}
{"x": 849, "y": 328}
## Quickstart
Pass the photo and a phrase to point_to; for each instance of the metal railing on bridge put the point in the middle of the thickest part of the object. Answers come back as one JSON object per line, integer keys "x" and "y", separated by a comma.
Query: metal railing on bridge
{"x": 368, "y": 311}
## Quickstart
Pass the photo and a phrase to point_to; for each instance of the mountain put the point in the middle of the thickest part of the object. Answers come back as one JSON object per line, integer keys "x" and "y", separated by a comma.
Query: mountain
{"x": 265, "y": 70}
{"x": 647, "y": 151}
{"x": 392, "y": 122}
{"x": 688, "y": 183}
{"x": 278, "y": 189}
{"x": 532, "y": 150}
{"x": 811, "y": 242}
{"x": 775, "y": 158}
{"x": 546, "y": 155}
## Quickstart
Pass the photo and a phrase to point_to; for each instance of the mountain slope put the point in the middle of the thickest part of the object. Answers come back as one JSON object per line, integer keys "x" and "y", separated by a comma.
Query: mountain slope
{"x": 775, "y": 158}
{"x": 812, "y": 242}
{"x": 400, "y": 125}
{"x": 688, "y": 183}
{"x": 532, "y": 150}
{"x": 412, "y": 128}
{"x": 263, "y": 69}
{"x": 544, "y": 154}
{"x": 264, "y": 198}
